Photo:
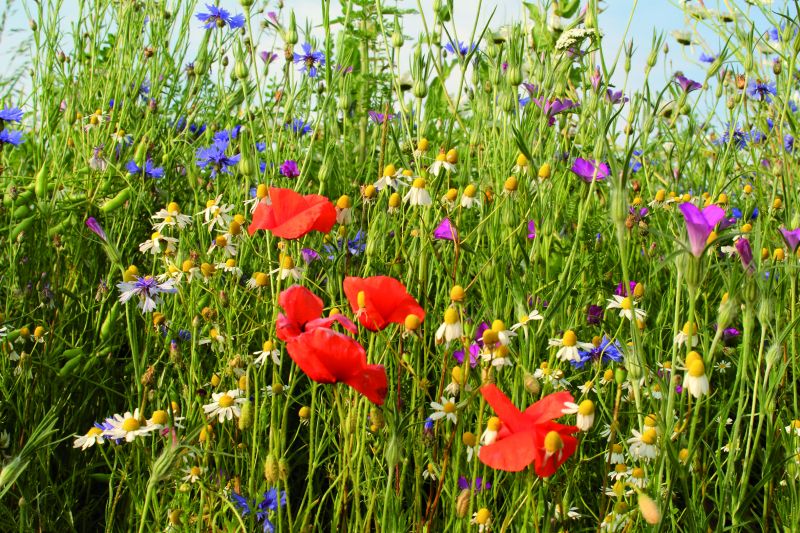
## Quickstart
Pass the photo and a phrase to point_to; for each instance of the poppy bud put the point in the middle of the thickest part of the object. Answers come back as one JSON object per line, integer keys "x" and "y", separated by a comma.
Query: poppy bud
{"x": 620, "y": 375}
{"x": 532, "y": 384}
{"x": 271, "y": 472}
{"x": 246, "y": 416}
{"x": 393, "y": 451}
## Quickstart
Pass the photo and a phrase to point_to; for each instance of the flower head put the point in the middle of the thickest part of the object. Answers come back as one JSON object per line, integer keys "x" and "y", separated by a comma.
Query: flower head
{"x": 589, "y": 170}
{"x": 215, "y": 158}
{"x": 147, "y": 288}
{"x": 219, "y": 18}
{"x": 686, "y": 84}
{"x": 309, "y": 60}
{"x": 379, "y": 301}
{"x": 291, "y": 215}
{"x": 149, "y": 169}
{"x": 700, "y": 224}
{"x": 445, "y": 231}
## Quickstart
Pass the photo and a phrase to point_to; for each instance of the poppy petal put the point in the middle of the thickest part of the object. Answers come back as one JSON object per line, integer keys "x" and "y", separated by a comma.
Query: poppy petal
{"x": 371, "y": 382}
{"x": 386, "y": 301}
{"x": 309, "y": 359}
{"x": 329, "y": 321}
{"x": 506, "y": 411}
{"x": 341, "y": 356}
{"x": 291, "y": 215}
{"x": 548, "y": 408}
{"x": 300, "y": 304}
{"x": 511, "y": 454}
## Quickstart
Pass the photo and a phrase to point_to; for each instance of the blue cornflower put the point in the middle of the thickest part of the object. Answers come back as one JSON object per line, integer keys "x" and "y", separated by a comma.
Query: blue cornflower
{"x": 427, "y": 427}
{"x": 184, "y": 334}
{"x": 463, "y": 49}
{"x": 354, "y": 246}
{"x": 218, "y": 18}
{"x": 10, "y": 114}
{"x": 735, "y": 135}
{"x": 214, "y": 156}
{"x": 261, "y": 146}
{"x": 309, "y": 60}
{"x": 788, "y": 142}
{"x": 147, "y": 289}
{"x": 636, "y": 161}
{"x": 149, "y": 170}
{"x": 299, "y": 127}
{"x": 271, "y": 502}
{"x": 226, "y": 135}
{"x": 11, "y": 137}
{"x": 241, "y": 502}
{"x": 762, "y": 91}
{"x": 707, "y": 58}
{"x": 606, "y": 352}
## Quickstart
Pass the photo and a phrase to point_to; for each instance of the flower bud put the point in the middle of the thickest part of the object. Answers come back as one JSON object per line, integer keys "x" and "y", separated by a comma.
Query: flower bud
{"x": 271, "y": 472}
{"x": 246, "y": 416}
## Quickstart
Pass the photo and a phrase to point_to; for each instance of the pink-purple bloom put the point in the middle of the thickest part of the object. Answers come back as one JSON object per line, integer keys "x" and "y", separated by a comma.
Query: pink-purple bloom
{"x": 445, "y": 231}
{"x": 686, "y": 84}
{"x": 792, "y": 238}
{"x": 95, "y": 226}
{"x": 290, "y": 169}
{"x": 745, "y": 254}
{"x": 589, "y": 169}
{"x": 700, "y": 224}
{"x": 531, "y": 229}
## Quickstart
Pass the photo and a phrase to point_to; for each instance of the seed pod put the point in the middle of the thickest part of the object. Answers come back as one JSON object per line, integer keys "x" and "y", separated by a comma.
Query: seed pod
{"x": 22, "y": 227}
{"x": 246, "y": 416}
{"x": 41, "y": 182}
{"x": 283, "y": 469}
{"x": 271, "y": 472}
{"x": 107, "y": 327}
{"x": 21, "y": 212}
{"x": 116, "y": 202}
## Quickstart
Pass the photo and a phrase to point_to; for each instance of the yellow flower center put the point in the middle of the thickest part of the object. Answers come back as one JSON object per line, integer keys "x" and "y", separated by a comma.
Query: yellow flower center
{"x": 649, "y": 436}
{"x": 156, "y": 235}
{"x": 230, "y": 263}
{"x": 394, "y": 200}
{"x": 213, "y": 333}
{"x": 159, "y": 417}
{"x": 419, "y": 183}
{"x": 38, "y": 332}
{"x": 616, "y": 448}
{"x": 344, "y": 202}
{"x": 691, "y": 357}
{"x": 493, "y": 424}
{"x": 389, "y": 170}
{"x": 620, "y": 468}
{"x": 225, "y": 401}
{"x": 608, "y": 375}
{"x": 173, "y": 207}
{"x": 267, "y": 346}
{"x": 452, "y": 156}
{"x": 569, "y": 338}
{"x": 457, "y": 375}
{"x": 697, "y": 368}
{"x": 211, "y": 203}
{"x": 235, "y": 228}
{"x": 626, "y": 304}
{"x": 469, "y": 439}
{"x": 661, "y": 194}
{"x": 553, "y": 442}
{"x": 261, "y": 279}
{"x": 93, "y": 432}
{"x": 287, "y": 263}
{"x": 511, "y": 184}
{"x": 423, "y": 144}
{"x": 451, "y": 316}
{"x": 449, "y": 407}
{"x": 689, "y": 329}
{"x": 586, "y": 408}
{"x": 522, "y": 161}
{"x": 305, "y": 413}
{"x": 637, "y": 472}
{"x": 412, "y": 322}
{"x": 187, "y": 265}
{"x": 544, "y": 171}
{"x": 207, "y": 269}
{"x": 221, "y": 241}
{"x": 470, "y": 190}
{"x": 482, "y": 516}
{"x": 196, "y": 471}
{"x": 130, "y": 424}
{"x": 441, "y": 157}
{"x": 490, "y": 337}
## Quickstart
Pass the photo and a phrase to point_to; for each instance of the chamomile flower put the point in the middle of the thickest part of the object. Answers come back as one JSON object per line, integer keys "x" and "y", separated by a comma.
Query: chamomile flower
{"x": 483, "y": 519}
{"x": 522, "y": 165}
{"x": 447, "y": 409}
{"x": 216, "y": 213}
{"x": 523, "y": 321}
{"x": 470, "y": 442}
{"x": 223, "y": 242}
{"x": 39, "y": 334}
{"x": 503, "y": 335}
{"x": 451, "y": 329}
{"x": 288, "y": 269}
{"x": 173, "y": 272}
{"x": 344, "y": 210}
{"x": 644, "y": 445}
{"x": 638, "y": 477}
{"x": 627, "y": 307}
{"x": 422, "y": 147}
{"x": 440, "y": 163}
{"x": 616, "y": 454}
{"x": 215, "y": 340}
{"x": 193, "y": 474}
{"x": 158, "y": 243}
{"x": 497, "y": 356}
{"x": 171, "y": 217}
{"x": 620, "y": 471}
{"x": 258, "y": 280}
{"x": 225, "y": 405}
{"x": 489, "y": 436}
{"x": 722, "y": 366}
{"x": 585, "y": 412}
{"x": 390, "y": 178}
{"x": 267, "y": 350}
{"x": 417, "y": 195}
{"x": 430, "y": 472}
{"x": 92, "y": 437}
{"x": 128, "y": 426}
{"x": 569, "y": 345}
{"x": 261, "y": 196}
{"x": 572, "y": 513}
{"x": 695, "y": 381}
{"x": 688, "y": 334}
{"x": 394, "y": 203}
{"x": 230, "y": 267}
{"x": 470, "y": 197}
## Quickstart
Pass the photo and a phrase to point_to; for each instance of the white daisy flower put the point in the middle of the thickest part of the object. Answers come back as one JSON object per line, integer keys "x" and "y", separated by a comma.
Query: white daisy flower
{"x": 128, "y": 426}
{"x": 794, "y": 427}
{"x": 533, "y": 315}
{"x": 288, "y": 269}
{"x": 446, "y": 409}
{"x": 451, "y": 329}
{"x": 569, "y": 345}
{"x": 417, "y": 195}
{"x": 585, "y": 412}
{"x": 626, "y": 308}
{"x": 171, "y": 217}
{"x": 223, "y": 242}
{"x": 225, "y": 405}
{"x": 92, "y": 437}
{"x": 155, "y": 243}
{"x": 193, "y": 474}
{"x": 644, "y": 445}
{"x": 216, "y": 214}
{"x": 470, "y": 198}
{"x": 230, "y": 267}
{"x": 267, "y": 350}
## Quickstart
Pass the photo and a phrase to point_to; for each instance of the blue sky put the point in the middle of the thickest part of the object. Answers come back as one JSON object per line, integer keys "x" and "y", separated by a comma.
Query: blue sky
{"x": 649, "y": 15}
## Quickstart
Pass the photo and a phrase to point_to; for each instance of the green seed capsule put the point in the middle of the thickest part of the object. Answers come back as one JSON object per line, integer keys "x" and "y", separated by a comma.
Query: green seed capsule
{"x": 21, "y": 212}
{"x": 107, "y": 327}
{"x": 118, "y": 201}
{"x": 70, "y": 366}
{"x": 41, "y": 183}
{"x": 23, "y": 226}
{"x": 246, "y": 418}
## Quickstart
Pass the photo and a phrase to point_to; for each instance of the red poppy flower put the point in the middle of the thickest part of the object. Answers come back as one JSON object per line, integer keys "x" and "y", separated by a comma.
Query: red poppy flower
{"x": 290, "y": 215}
{"x": 327, "y": 356}
{"x": 379, "y": 301}
{"x": 302, "y": 312}
{"x": 529, "y": 437}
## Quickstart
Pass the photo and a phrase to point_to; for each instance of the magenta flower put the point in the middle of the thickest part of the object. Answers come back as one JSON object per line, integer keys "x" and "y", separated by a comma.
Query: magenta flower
{"x": 445, "y": 231}
{"x": 745, "y": 254}
{"x": 95, "y": 226}
{"x": 700, "y": 224}
{"x": 792, "y": 238}
{"x": 531, "y": 229}
{"x": 589, "y": 169}
{"x": 686, "y": 84}
{"x": 290, "y": 169}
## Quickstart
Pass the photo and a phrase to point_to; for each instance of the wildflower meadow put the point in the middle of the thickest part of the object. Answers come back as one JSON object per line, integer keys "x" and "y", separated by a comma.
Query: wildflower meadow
{"x": 373, "y": 272}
